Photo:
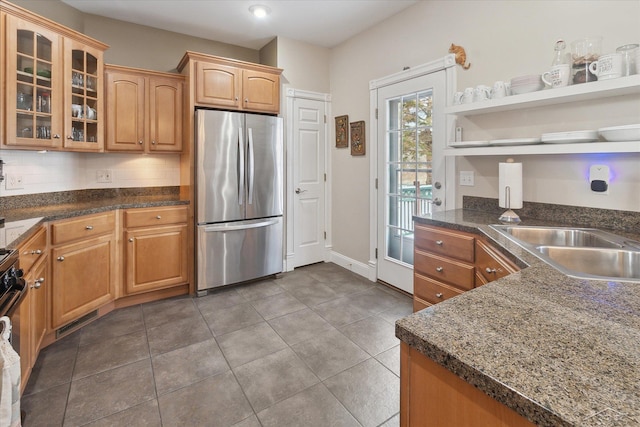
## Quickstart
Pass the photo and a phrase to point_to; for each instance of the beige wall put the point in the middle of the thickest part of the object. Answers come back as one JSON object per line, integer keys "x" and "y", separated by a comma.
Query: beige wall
{"x": 269, "y": 53}
{"x": 305, "y": 66}
{"x": 56, "y": 11}
{"x": 502, "y": 40}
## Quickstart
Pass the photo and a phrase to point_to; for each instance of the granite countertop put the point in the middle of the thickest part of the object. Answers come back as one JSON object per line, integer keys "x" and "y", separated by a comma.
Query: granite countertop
{"x": 558, "y": 350}
{"x": 52, "y": 208}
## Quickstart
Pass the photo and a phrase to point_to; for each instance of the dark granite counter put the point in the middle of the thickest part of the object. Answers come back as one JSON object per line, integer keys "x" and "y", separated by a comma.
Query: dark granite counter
{"x": 558, "y": 350}
{"x": 28, "y": 212}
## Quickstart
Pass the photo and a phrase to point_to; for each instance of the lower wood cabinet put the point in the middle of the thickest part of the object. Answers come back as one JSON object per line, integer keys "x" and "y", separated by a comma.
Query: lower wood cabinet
{"x": 431, "y": 395}
{"x": 450, "y": 262}
{"x": 155, "y": 249}
{"x": 83, "y": 271}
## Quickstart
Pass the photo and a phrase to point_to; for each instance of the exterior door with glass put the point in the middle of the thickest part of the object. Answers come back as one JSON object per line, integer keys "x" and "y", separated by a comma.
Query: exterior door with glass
{"x": 411, "y": 137}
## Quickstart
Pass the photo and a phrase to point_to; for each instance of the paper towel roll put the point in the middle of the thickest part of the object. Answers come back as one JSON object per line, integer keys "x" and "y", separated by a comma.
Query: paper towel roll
{"x": 510, "y": 175}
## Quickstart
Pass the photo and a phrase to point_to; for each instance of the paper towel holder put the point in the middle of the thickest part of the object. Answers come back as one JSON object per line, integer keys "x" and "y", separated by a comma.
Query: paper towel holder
{"x": 508, "y": 216}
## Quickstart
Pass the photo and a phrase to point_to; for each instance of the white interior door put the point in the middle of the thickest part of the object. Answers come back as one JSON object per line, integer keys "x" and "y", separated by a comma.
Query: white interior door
{"x": 411, "y": 137}
{"x": 308, "y": 198}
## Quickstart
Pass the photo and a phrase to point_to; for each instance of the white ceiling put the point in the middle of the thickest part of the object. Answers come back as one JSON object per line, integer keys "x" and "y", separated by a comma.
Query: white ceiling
{"x": 320, "y": 22}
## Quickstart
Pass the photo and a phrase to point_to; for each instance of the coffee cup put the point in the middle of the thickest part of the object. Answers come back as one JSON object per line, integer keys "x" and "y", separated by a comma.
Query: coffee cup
{"x": 558, "y": 76}
{"x": 499, "y": 90}
{"x": 481, "y": 93}
{"x": 457, "y": 98}
{"x": 467, "y": 96}
{"x": 76, "y": 110}
{"x": 607, "y": 66}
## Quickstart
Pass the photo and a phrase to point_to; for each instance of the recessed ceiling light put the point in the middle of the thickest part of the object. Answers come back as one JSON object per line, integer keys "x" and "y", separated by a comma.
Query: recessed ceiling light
{"x": 259, "y": 10}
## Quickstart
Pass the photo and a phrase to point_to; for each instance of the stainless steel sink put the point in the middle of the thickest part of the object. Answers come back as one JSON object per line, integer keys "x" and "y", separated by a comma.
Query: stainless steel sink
{"x": 609, "y": 263}
{"x": 556, "y": 236}
{"x": 579, "y": 252}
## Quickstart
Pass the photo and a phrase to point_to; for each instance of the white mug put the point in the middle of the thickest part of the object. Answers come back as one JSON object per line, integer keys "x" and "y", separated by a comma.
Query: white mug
{"x": 481, "y": 93}
{"x": 499, "y": 90}
{"x": 607, "y": 66}
{"x": 558, "y": 76}
{"x": 457, "y": 98}
{"x": 467, "y": 96}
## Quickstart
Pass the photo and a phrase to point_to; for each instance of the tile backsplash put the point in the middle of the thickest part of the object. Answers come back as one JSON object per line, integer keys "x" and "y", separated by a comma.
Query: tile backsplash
{"x": 58, "y": 171}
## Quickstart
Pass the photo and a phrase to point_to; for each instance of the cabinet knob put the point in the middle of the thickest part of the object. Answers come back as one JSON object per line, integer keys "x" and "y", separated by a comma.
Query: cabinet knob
{"x": 89, "y": 227}
{"x": 246, "y": 100}
{"x": 69, "y": 137}
{"x": 38, "y": 282}
{"x": 158, "y": 217}
{"x": 439, "y": 295}
{"x": 140, "y": 142}
{"x": 439, "y": 269}
{"x": 36, "y": 252}
{"x": 490, "y": 270}
{"x": 60, "y": 258}
{"x": 56, "y": 136}
{"x": 236, "y": 98}
{"x": 439, "y": 242}
{"x": 153, "y": 142}
{"x": 131, "y": 239}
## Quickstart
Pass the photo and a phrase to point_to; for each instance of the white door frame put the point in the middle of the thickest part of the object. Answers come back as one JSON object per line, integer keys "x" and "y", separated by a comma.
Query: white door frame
{"x": 289, "y": 115}
{"x": 448, "y": 65}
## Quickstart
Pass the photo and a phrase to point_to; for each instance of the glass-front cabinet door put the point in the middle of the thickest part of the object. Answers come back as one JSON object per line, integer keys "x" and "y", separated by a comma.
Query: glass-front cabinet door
{"x": 84, "y": 115}
{"x": 33, "y": 86}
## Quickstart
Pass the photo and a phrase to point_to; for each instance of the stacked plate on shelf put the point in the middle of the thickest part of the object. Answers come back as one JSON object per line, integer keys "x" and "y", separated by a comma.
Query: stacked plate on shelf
{"x": 569, "y": 137}
{"x": 526, "y": 84}
{"x": 621, "y": 133}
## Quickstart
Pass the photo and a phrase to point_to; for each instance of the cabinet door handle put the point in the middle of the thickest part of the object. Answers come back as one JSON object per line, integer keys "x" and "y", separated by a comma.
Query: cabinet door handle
{"x": 140, "y": 142}
{"x": 439, "y": 295}
{"x": 439, "y": 269}
{"x": 439, "y": 242}
{"x": 60, "y": 258}
{"x": 89, "y": 227}
{"x": 158, "y": 217}
{"x": 490, "y": 270}
{"x": 36, "y": 252}
{"x": 131, "y": 239}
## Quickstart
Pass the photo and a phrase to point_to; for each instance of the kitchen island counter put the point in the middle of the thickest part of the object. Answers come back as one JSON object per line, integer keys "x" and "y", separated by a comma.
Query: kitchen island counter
{"x": 559, "y": 351}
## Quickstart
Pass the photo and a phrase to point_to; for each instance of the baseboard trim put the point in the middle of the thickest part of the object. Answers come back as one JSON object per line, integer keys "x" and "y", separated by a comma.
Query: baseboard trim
{"x": 357, "y": 267}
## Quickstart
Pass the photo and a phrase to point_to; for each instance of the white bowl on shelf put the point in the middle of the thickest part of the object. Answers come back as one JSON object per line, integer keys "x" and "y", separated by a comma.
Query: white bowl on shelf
{"x": 621, "y": 133}
{"x": 526, "y": 84}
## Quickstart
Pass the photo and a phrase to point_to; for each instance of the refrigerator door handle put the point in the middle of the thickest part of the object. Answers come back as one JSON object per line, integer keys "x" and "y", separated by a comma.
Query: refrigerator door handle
{"x": 240, "y": 166}
{"x": 251, "y": 166}
{"x": 233, "y": 227}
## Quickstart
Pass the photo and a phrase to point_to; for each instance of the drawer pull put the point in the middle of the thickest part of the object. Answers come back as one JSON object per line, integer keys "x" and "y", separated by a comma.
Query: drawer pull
{"x": 60, "y": 258}
{"x": 158, "y": 217}
{"x": 439, "y": 242}
{"x": 89, "y": 227}
{"x": 490, "y": 270}
{"x": 37, "y": 283}
{"x": 36, "y": 252}
{"x": 131, "y": 239}
{"x": 439, "y": 295}
{"x": 439, "y": 269}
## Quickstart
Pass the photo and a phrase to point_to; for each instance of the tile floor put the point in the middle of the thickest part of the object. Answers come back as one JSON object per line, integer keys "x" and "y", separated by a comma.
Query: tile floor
{"x": 315, "y": 347}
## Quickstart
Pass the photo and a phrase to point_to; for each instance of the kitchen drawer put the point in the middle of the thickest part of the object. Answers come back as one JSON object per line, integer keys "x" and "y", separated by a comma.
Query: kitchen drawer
{"x": 431, "y": 290}
{"x": 446, "y": 270}
{"x": 419, "y": 304}
{"x": 490, "y": 264}
{"x": 82, "y": 227}
{"x": 454, "y": 244}
{"x": 145, "y": 217}
{"x": 33, "y": 249}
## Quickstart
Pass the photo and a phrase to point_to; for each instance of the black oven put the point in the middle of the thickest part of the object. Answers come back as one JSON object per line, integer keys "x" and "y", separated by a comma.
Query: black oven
{"x": 12, "y": 285}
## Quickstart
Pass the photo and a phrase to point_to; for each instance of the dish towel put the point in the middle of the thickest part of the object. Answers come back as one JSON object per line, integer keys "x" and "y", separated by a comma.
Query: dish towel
{"x": 9, "y": 378}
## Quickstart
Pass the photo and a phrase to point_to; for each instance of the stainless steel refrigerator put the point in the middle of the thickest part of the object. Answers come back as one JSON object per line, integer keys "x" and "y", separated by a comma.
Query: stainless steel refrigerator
{"x": 239, "y": 197}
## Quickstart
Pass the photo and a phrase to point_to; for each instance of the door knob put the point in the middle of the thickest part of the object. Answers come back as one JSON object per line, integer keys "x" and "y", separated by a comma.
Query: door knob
{"x": 298, "y": 190}
{"x": 437, "y": 202}
{"x": 437, "y": 185}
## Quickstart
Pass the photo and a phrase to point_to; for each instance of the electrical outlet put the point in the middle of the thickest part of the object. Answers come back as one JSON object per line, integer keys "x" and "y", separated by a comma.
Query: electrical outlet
{"x": 467, "y": 178}
{"x": 14, "y": 182}
{"x": 104, "y": 175}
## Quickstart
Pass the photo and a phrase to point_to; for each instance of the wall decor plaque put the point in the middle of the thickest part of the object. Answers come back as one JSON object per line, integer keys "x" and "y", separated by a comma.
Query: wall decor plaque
{"x": 342, "y": 131}
{"x": 358, "y": 146}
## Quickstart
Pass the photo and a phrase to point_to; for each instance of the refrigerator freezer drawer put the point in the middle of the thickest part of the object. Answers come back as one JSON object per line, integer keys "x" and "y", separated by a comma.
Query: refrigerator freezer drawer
{"x": 235, "y": 252}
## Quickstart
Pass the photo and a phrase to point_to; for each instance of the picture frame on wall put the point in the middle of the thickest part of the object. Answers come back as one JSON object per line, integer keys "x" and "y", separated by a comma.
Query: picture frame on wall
{"x": 358, "y": 141}
{"x": 342, "y": 131}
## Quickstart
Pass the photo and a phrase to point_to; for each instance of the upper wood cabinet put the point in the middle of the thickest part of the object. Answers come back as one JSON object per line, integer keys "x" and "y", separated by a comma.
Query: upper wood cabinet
{"x": 53, "y": 80}
{"x": 144, "y": 110}
{"x": 232, "y": 84}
